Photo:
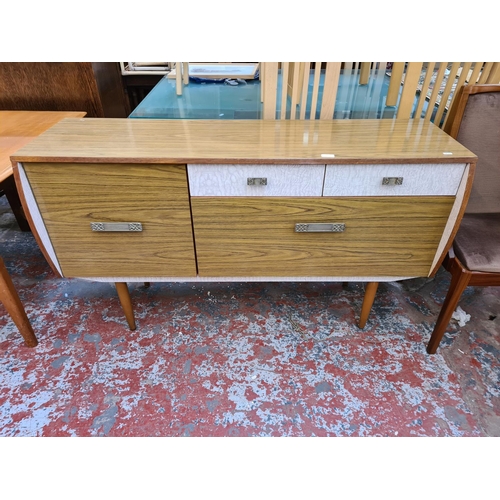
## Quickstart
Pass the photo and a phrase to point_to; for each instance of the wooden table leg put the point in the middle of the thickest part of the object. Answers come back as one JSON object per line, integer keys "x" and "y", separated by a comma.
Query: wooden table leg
{"x": 12, "y": 302}
{"x": 370, "y": 291}
{"x": 124, "y": 296}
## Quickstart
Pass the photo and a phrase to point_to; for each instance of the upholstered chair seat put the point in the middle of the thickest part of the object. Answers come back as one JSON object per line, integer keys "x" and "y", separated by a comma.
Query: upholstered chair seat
{"x": 477, "y": 243}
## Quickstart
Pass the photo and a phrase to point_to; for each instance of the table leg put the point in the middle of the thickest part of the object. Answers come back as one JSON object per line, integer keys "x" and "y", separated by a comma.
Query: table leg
{"x": 13, "y": 305}
{"x": 9, "y": 188}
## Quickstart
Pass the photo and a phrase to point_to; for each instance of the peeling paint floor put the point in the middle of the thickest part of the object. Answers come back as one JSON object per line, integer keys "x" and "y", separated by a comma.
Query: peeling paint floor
{"x": 242, "y": 359}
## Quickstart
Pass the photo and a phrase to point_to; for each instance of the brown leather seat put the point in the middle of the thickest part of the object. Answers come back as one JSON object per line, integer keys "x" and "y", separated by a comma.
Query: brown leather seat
{"x": 477, "y": 243}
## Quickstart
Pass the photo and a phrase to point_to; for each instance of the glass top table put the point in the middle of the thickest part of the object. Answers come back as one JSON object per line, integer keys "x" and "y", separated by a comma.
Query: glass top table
{"x": 242, "y": 101}
{"x": 202, "y": 101}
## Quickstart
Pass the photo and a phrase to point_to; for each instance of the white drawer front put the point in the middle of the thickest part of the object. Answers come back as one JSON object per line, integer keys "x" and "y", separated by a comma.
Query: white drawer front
{"x": 367, "y": 180}
{"x": 268, "y": 180}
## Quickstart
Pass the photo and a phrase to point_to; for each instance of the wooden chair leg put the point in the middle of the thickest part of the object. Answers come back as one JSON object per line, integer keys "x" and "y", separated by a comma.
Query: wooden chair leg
{"x": 178, "y": 78}
{"x": 370, "y": 291}
{"x": 12, "y": 302}
{"x": 9, "y": 187}
{"x": 459, "y": 281}
{"x": 124, "y": 296}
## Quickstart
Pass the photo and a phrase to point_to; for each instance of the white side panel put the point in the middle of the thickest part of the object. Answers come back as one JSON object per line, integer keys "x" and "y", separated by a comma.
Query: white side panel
{"x": 37, "y": 218}
{"x": 452, "y": 218}
{"x": 231, "y": 180}
{"x": 366, "y": 180}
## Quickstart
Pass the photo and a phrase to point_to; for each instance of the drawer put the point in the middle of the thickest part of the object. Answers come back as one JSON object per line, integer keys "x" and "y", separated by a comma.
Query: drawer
{"x": 403, "y": 180}
{"x": 72, "y": 197}
{"x": 377, "y": 236}
{"x": 256, "y": 180}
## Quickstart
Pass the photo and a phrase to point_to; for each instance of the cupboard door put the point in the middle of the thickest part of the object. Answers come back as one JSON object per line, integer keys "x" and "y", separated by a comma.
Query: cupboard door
{"x": 381, "y": 236}
{"x": 74, "y": 199}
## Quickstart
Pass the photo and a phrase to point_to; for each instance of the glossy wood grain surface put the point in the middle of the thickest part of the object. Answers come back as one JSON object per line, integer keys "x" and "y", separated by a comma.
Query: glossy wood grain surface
{"x": 18, "y": 128}
{"x": 71, "y": 197}
{"x": 244, "y": 141}
{"x": 256, "y": 237}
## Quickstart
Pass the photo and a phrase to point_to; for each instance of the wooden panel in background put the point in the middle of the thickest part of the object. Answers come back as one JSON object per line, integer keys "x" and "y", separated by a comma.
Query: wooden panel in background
{"x": 95, "y": 88}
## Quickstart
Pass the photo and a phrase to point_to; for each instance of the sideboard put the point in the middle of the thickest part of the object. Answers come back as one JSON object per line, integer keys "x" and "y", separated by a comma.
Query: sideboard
{"x": 246, "y": 200}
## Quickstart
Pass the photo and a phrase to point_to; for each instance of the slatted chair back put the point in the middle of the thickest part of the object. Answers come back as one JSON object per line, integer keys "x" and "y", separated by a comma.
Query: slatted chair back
{"x": 287, "y": 92}
{"x": 435, "y": 86}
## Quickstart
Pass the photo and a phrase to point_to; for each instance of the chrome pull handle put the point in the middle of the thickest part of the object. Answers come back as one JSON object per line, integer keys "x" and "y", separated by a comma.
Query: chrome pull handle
{"x": 324, "y": 227}
{"x": 392, "y": 181}
{"x": 257, "y": 181}
{"x": 116, "y": 226}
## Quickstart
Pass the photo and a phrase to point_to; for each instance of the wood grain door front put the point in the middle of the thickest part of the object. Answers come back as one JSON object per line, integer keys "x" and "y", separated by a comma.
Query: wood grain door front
{"x": 256, "y": 236}
{"x": 72, "y": 196}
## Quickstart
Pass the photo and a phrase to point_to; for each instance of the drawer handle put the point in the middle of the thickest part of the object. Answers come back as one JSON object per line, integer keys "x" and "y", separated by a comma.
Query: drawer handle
{"x": 334, "y": 227}
{"x": 257, "y": 181}
{"x": 392, "y": 181}
{"x": 116, "y": 226}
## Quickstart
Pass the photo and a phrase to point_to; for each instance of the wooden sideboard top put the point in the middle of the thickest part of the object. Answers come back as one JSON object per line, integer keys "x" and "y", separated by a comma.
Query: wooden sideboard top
{"x": 103, "y": 140}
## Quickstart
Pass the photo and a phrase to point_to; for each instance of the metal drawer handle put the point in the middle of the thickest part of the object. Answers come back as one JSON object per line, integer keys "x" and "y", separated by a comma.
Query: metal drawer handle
{"x": 392, "y": 181}
{"x": 334, "y": 227}
{"x": 257, "y": 181}
{"x": 116, "y": 226}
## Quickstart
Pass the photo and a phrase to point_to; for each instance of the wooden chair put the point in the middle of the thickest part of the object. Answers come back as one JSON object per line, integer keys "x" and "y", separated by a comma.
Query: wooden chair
{"x": 474, "y": 259}
{"x": 295, "y": 85}
{"x": 435, "y": 84}
{"x": 181, "y": 76}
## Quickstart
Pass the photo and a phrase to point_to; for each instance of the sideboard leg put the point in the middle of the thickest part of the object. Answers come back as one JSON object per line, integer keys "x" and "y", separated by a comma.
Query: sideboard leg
{"x": 13, "y": 305}
{"x": 124, "y": 296}
{"x": 370, "y": 291}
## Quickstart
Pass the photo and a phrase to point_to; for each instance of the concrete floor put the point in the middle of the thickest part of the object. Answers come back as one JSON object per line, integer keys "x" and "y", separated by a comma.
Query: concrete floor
{"x": 242, "y": 359}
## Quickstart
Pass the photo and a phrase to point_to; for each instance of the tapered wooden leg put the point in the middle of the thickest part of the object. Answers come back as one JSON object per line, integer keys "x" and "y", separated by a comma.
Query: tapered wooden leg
{"x": 370, "y": 291}
{"x": 460, "y": 278}
{"x": 12, "y": 303}
{"x": 126, "y": 303}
